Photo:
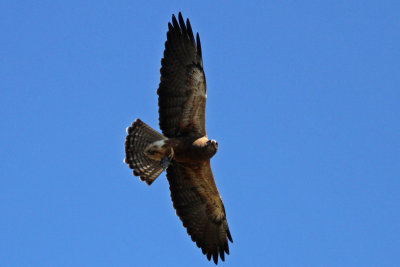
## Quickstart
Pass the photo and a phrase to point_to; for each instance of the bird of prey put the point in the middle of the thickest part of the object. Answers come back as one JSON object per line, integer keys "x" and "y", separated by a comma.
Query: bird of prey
{"x": 183, "y": 148}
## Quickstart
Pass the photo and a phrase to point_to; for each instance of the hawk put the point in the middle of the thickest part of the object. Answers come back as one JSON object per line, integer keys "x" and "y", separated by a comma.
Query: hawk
{"x": 183, "y": 149}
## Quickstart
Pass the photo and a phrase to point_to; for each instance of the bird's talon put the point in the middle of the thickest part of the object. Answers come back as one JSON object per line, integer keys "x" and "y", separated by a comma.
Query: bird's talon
{"x": 165, "y": 162}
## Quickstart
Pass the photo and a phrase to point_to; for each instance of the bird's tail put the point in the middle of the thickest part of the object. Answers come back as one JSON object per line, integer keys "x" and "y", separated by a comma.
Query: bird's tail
{"x": 140, "y": 135}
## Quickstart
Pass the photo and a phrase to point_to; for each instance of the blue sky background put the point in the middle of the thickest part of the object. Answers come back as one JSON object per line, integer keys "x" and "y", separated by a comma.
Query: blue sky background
{"x": 303, "y": 98}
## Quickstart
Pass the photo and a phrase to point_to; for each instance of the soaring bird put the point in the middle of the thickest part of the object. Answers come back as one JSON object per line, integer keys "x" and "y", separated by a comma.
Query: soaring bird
{"x": 183, "y": 149}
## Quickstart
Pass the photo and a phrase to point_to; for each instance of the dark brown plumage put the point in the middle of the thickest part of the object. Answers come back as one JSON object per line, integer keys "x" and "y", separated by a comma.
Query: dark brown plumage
{"x": 182, "y": 89}
{"x": 184, "y": 149}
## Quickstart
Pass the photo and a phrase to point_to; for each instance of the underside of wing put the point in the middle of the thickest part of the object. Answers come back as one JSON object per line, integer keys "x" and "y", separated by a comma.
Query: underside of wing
{"x": 198, "y": 204}
{"x": 182, "y": 89}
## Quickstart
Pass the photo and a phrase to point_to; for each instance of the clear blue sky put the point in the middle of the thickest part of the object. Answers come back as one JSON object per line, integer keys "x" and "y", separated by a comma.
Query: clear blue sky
{"x": 303, "y": 98}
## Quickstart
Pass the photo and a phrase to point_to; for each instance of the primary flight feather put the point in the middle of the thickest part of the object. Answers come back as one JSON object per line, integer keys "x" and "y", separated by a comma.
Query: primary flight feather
{"x": 183, "y": 149}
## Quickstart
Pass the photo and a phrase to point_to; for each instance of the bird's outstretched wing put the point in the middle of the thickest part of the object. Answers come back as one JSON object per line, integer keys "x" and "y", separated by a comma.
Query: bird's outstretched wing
{"x": 182, "y": 89}
{"x": 198, "y": 204}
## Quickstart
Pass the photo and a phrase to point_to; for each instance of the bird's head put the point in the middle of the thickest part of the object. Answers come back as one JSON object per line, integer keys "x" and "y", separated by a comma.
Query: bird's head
{"x": 212, "y": 147}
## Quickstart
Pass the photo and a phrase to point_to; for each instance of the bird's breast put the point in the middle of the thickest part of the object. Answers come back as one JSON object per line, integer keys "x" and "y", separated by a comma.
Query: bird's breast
{"x": 191, "y": 149}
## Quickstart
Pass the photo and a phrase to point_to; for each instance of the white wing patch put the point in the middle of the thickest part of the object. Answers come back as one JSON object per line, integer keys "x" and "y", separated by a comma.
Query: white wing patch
{"x": 158, "y": 144}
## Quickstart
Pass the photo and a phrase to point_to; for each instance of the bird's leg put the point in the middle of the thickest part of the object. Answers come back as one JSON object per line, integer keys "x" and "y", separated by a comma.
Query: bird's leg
{"x": 166, "y": 160}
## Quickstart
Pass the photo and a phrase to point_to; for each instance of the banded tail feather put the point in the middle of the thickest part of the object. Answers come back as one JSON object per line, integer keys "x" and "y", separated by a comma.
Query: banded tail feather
{"x": 140, "y": 135}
